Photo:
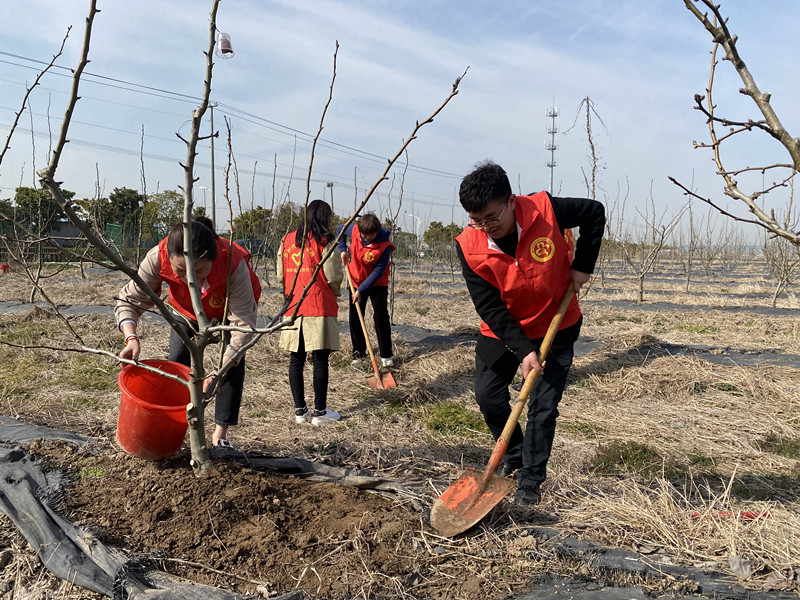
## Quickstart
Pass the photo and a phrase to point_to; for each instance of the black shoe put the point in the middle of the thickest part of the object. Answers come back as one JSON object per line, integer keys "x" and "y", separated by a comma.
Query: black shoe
{"x": 505, "y": 469}
{"x": 527, "y": 496}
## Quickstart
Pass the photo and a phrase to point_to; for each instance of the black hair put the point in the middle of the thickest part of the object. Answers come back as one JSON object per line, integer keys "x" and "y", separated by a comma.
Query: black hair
{"x": 318, "y": 223}
{"x": 368, "y": 223}
{"x": 487, "y": 182}
{"x": 205, "y": 221}
{"x": 204, "y": 241}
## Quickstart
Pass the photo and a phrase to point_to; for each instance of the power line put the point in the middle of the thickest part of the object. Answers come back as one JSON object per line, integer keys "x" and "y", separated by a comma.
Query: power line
{"x": 432, "y": 200}
{"x": 254, "y": 119}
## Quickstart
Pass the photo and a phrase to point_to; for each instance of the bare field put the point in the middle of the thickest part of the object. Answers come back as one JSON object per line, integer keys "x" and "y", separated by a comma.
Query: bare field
{"x": 682, "y": 414}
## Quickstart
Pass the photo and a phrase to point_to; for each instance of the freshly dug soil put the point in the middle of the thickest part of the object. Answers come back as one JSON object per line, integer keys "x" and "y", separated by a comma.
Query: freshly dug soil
{"x": 237, "y": 528}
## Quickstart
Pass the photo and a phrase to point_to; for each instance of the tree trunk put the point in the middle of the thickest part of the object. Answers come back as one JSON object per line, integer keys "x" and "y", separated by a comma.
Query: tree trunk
{"x": 781, "y": 285}
{"x": 195, "y": 413}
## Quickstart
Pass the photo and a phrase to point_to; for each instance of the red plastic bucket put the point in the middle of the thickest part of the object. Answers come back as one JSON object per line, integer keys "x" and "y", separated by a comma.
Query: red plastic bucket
{"x": 152, "y": 412}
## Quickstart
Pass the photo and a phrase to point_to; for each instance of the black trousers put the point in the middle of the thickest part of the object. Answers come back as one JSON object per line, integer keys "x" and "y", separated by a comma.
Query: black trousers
{"x": 297, "y": 361}
{"x": 379, "y": 296}
{"x": 532, "y": 451}
{"x": 229, "y": 393}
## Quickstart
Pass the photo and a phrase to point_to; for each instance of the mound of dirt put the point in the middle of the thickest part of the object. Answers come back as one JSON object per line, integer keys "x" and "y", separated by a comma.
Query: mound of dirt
{"x": 239, "y": 529}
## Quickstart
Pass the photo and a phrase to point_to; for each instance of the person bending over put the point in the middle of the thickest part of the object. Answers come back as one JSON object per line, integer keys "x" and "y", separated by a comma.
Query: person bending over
{"x": 220, "y": 269}
{"x": 517, "y": 260}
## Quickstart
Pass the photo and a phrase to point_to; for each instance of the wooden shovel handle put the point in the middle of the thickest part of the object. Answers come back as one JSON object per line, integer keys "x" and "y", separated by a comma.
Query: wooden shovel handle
{"x": 522, "y": 398}
{"x": 363, "y": 324}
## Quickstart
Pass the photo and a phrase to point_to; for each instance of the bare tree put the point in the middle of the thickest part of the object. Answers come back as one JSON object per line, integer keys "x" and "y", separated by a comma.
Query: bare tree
{"x": 782, "y": 257}
{"x": 393, "y": 216}
{"x": 768, "y": 123}
{"x": 595, "y": 165}
{"x": 641, "y": 242}
{"x": 687, "y": 247}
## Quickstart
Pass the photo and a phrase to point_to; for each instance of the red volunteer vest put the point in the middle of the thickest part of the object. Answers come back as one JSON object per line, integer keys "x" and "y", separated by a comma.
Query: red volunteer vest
{"x": 363, "y": 259}
{"x": 532, "y": 283}
{"x": 214, "y": 297}
{"x": 320, "y": 301}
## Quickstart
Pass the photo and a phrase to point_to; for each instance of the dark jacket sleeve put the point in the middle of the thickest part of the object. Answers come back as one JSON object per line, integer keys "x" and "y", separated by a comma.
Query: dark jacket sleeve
{"x": 491, "y": 309}
{"x": 590, "y": 219}
{"x": 343, "y": 241}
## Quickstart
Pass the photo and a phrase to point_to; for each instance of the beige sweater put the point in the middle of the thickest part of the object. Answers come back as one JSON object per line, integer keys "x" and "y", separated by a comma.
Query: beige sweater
{"x": 319, "y": 333}
{"x": 243, "y": 311}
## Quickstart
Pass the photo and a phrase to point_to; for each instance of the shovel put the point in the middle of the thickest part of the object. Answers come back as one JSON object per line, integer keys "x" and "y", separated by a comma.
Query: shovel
{"x": 377, "y": 381}
{"x": 475, "y": 493}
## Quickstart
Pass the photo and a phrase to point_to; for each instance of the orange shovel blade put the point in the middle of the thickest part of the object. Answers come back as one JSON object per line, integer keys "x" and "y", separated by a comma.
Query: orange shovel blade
{"x": 387, "y": 380}
{"x": 467, "y": 501}
{"x": 381, "y": 381}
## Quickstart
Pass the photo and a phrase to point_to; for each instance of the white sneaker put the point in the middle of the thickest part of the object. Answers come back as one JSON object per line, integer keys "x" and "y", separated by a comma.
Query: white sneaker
{"x": 356, "y": 362}
{"x": 301, "y": 417}
{"x": 326, "y": 418}
{"x": 387, "y": 362}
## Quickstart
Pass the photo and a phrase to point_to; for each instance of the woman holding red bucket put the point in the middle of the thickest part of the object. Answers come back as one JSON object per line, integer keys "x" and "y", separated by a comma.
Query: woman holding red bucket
{"x": 166, "y": 263}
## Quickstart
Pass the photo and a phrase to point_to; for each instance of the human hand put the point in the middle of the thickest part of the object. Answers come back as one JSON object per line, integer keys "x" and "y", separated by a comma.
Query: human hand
{"x": 531, "y": 363}
{"x": 132, "y": 349}
{"x": 356, "y": 297}
{"x": 345, "y": 258}
{"x": 207, "y": 380}
{"x": 578, "y": 279}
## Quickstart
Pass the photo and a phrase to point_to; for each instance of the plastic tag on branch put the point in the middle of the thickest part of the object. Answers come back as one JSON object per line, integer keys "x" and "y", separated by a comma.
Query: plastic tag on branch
{"x": 224, "y": 47}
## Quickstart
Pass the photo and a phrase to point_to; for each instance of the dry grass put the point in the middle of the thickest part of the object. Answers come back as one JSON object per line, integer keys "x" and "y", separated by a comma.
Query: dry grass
{"x": 692, "y": 524}
{"x": 24, "y": 577}
{"x": 712, "y": 427}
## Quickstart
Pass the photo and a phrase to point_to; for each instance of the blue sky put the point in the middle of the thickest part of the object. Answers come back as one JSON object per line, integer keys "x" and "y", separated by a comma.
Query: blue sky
{"x": 640, "y": 62}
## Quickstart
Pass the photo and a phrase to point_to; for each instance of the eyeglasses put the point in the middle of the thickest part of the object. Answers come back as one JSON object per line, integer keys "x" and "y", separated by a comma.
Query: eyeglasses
{"x": 489, "y": 223}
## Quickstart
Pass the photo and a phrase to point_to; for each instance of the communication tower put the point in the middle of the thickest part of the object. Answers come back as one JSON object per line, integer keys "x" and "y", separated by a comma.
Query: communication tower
{"x": 550, "y": 145}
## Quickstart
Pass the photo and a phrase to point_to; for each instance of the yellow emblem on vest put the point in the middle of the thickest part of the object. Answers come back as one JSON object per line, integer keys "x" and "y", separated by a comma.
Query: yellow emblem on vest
{"x": 369, "y": 256}
{"x": 542, "y": 249}
{"x": 215, "y": 300}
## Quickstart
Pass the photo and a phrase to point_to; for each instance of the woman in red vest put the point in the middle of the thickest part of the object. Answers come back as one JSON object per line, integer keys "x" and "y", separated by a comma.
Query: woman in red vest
{"x": 315, "y": 329}
{"x": 369, "y": 264}
{"x": 517, "y": 261}
{"x": 213, "y": 257}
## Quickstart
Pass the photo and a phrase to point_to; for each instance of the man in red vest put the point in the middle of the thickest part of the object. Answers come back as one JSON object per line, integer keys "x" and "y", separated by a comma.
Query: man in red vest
{"x": 516, "y": 257}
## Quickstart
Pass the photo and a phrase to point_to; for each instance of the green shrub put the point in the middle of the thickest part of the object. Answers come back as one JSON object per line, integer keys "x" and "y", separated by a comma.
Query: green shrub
{"x": 782, "y": 446}
{"x": 587, "y": 429}
{"x": 767, "y": 486}
{"x": 620, "y": 458}
{"x": 690, "y": 328}
{"x": 88, "y": 373}
{"x": 699, "y": 460}
{"x": 93, "y": 473}
{"x": 452, "y": 418}
{"x": 728, "y": 387}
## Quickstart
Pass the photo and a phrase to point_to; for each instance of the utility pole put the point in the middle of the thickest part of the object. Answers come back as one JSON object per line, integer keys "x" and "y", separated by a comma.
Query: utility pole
{"x": 213, "y": 187}
{"x": 329, "y": 185}
{"x": 550, "y": 145}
